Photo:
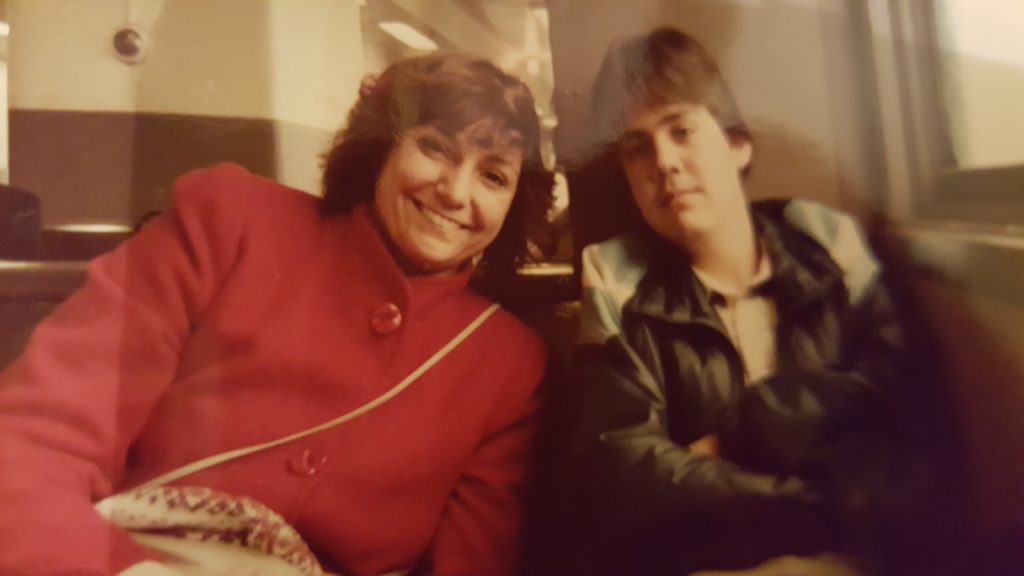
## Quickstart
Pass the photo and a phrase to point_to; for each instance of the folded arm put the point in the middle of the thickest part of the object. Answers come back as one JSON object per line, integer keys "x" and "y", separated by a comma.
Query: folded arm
{"x": 643, "y": 478}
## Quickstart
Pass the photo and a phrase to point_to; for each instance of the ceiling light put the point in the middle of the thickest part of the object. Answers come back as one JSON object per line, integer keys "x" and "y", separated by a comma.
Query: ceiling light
{"x": 408, "y": 35}
{"x": 5, "y": 28}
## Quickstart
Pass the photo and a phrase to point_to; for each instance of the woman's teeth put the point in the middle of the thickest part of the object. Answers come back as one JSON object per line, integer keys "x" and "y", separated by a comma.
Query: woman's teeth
{"x": 439, "y": 219}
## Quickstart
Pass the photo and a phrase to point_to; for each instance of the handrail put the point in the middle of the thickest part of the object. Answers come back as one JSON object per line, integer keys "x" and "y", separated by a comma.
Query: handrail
{"x": 42, "y": 280}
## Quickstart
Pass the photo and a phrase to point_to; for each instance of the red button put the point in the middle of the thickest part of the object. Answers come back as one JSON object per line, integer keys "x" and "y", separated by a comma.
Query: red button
{"x": 306, "y": 463}
{"x": 386, "y": 319}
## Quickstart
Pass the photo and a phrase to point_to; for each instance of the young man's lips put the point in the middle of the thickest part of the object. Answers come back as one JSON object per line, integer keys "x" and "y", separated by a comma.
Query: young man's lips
{"x": 667, "y": 197}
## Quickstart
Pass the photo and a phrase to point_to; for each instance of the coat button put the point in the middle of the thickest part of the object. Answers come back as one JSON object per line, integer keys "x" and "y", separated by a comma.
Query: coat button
{"x": 386, "y": 318}
{"x": 306, "y": 463}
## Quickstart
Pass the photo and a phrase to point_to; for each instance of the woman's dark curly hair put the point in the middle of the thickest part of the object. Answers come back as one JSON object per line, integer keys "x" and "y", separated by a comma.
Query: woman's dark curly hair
{"x": 448, "y": 92}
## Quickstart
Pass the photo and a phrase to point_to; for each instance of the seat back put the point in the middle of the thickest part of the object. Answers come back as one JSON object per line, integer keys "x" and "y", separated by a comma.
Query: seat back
{"x": 29, "y": 291}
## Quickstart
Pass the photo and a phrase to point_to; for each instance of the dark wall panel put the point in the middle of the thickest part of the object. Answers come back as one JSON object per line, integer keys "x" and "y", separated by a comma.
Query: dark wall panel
{"x": 114, "y": 166}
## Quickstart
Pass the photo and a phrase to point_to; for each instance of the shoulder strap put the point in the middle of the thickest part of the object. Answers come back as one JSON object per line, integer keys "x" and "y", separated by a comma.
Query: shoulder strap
{"x": 216, "y": 459}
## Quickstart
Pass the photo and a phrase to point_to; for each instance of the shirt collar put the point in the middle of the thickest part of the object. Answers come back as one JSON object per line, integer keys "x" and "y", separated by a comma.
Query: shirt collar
{"x": 762, "y": 275}
{"x": 800, "y": 270}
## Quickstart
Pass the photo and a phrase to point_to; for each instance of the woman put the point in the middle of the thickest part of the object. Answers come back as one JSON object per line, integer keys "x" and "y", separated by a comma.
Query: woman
{"x": 252, "y": 311}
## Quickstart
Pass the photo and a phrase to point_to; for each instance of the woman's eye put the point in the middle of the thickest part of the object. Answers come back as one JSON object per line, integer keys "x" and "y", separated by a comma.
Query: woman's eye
{"x": 433, "y": 147}
{"x": 495, "y": 178}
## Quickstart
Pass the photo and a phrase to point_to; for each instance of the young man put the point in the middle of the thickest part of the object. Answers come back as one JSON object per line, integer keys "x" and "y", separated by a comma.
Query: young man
{"x": 734, "y": 357}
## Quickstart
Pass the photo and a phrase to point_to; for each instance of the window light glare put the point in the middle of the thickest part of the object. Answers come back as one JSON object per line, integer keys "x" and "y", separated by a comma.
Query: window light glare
{"x": 5, "y": 29}
{"x": 408, "y": 35}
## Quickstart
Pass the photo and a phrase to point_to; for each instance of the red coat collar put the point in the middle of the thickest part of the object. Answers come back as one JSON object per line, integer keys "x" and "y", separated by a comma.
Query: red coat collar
{"x": 421, "y": 290}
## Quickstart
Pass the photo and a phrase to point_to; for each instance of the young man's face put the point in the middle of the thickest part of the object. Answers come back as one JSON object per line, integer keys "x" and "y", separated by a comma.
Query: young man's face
{"x": 684, "y": 171}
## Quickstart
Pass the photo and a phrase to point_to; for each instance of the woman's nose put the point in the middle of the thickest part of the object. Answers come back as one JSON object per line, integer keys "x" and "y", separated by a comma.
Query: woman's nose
{"x": 456, "y": 186}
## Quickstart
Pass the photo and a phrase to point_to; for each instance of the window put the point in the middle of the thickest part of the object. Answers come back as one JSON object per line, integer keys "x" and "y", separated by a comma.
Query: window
{"x": 981, "y": 55}
{"x": 950, "y": 80}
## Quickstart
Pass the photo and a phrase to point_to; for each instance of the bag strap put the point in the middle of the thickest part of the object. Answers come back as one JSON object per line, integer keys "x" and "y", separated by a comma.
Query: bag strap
{"x": 216, "y": 459}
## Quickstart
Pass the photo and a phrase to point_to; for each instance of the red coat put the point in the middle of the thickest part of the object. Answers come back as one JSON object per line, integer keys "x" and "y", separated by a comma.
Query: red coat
{"x": 245, "y": 315}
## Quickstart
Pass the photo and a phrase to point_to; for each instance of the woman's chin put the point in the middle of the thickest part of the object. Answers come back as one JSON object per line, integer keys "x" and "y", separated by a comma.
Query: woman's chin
{"x": 434, "y": 265}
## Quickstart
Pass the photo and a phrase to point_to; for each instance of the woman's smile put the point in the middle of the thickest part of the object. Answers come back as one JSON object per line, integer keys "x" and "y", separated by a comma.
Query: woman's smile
{"x": 445, "y": 223}
{"x": 442, "y": 199}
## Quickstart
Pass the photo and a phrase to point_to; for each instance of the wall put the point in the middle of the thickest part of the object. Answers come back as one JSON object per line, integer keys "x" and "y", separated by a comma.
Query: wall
{"x": 260, "y": 82}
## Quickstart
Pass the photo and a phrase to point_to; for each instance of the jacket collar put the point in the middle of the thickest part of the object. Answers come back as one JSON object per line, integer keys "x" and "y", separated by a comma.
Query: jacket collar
{"x": 802, "y": 272}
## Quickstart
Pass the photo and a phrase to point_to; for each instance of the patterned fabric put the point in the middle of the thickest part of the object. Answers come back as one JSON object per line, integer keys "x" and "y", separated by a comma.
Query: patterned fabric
{"x": 205, "y": 515}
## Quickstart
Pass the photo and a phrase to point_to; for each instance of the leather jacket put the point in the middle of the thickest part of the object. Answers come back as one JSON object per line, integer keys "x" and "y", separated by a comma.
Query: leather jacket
{"x": 656, "y": 371}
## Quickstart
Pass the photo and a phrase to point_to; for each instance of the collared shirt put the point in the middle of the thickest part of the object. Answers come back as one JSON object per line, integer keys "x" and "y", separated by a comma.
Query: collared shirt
{"x": 750, "y": 319}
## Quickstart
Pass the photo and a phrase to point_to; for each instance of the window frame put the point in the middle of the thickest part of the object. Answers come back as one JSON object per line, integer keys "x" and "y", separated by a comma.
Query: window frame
{"x": 923, "y": 180}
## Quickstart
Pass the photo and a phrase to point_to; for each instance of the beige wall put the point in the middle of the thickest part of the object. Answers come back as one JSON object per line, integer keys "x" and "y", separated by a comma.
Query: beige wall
{"x": 60, "y": 56}
{"x": 293, "y": 60}
{"x": 277, "y": 76}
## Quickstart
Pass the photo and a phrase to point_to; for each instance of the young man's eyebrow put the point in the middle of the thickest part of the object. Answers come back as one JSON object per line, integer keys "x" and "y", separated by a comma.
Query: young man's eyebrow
{"x": 634, "y": 135}
{"x": 669, "y": 118}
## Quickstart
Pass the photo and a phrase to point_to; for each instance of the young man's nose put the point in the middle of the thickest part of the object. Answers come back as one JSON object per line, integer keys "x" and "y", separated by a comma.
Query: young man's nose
{"x": 456, "y": 186}
{"x": 668, "y": 156}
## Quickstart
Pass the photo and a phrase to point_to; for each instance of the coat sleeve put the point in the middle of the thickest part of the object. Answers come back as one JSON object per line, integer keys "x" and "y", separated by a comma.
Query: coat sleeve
{"x": 479, "y": 532}
{"x": 639, "y": 478}
{"x": 71, "y": 405}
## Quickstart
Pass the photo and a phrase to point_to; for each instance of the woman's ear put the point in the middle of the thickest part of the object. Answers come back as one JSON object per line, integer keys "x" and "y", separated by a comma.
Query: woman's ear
{"x": 743, "y": 152}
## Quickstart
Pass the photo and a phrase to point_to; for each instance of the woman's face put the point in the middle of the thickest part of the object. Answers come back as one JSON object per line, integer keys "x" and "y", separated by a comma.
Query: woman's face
{"x": 442, "y": 199}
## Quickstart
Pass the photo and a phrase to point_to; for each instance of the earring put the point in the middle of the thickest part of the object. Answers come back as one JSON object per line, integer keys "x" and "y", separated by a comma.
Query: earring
{"x": 368, "y": 85}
